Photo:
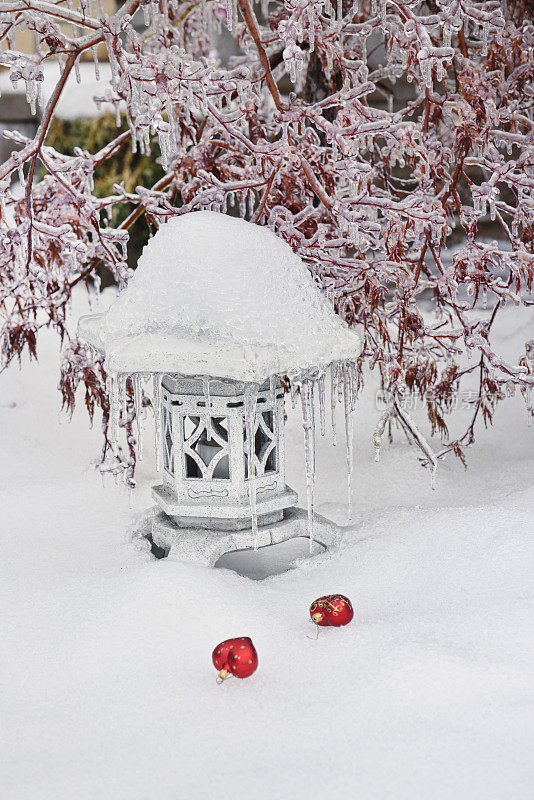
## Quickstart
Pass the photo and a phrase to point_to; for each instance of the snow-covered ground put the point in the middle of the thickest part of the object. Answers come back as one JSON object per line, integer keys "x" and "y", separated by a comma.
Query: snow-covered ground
{"x": 108, "y": 690}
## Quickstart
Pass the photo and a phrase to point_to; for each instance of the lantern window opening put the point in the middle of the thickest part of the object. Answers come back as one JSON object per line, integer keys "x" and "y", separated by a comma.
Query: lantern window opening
{"x": 168, "y": 444}
{"x": 206, "y": 454}
{"x": 265, "y": 445}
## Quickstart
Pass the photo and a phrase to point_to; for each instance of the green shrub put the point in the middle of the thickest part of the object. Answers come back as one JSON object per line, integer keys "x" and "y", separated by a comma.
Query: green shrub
{"x": 131, "y": 169}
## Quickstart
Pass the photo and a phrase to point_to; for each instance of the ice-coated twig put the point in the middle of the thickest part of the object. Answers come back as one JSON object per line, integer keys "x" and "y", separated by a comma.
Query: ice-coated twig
{"x": 420, "y": 440}
{"x": 378, "y": 434}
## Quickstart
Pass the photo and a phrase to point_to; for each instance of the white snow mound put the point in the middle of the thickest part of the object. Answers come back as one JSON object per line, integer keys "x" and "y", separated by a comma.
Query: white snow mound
{"x": 218, "y": 295}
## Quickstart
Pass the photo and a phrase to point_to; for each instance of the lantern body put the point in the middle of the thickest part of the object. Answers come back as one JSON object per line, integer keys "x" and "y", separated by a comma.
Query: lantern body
{"x": 206, "y": 474}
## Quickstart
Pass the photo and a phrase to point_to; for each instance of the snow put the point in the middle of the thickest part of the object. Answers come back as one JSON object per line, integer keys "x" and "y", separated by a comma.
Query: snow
{"x": 216, "y": 295}
{"x": 108, "y": 689}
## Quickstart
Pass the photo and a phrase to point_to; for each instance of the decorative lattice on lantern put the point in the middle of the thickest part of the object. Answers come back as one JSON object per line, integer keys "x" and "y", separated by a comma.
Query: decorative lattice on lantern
{"x": 265, "y": 444}
{"x": 206, "y": 453}
{"x": 168, "y": 447}
{"x": 206, "y": 448}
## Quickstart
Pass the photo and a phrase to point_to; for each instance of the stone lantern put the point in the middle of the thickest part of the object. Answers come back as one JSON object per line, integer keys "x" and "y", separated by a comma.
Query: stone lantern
{"x": 218, "y": 311}
{"x": 206, "y": 468}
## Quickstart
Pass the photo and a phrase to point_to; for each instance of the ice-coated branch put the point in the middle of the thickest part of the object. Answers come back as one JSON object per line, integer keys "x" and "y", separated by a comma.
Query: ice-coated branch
{"x": 52, "y": 10}
{"x": 418, "y": 438}
{"x": 389, "y": 142}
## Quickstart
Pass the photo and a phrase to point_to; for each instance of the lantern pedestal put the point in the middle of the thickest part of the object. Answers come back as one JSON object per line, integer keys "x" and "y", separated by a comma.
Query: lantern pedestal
{"x": 204, "y": 547}
{"x": 220, "y": 514}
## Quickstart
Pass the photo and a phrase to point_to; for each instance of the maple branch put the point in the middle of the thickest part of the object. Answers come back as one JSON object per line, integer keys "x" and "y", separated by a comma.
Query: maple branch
{"x": 250, "y": 21}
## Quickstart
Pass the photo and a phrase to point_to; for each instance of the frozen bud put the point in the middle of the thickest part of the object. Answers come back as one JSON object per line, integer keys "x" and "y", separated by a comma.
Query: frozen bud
{"x": 409, "y": 28}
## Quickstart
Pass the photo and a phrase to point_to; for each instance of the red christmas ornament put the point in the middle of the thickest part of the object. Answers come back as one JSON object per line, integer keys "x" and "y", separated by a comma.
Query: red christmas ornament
{"x": 236, "y": 657}
{"x": 332, "y": 610}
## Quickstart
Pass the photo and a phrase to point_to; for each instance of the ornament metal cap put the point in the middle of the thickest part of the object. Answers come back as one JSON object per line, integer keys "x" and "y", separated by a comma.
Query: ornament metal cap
{"x": 223, "y": 674}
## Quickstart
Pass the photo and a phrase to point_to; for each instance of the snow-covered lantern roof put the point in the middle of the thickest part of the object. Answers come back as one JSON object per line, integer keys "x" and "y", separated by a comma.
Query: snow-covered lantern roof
{"x": 218, "y": 310}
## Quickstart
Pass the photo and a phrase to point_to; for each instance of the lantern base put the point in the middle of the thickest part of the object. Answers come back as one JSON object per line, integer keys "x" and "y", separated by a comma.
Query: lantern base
{"x": 220, "y": 514}
{"x": 214, "y": 524}
{"x": 205, "y": 547}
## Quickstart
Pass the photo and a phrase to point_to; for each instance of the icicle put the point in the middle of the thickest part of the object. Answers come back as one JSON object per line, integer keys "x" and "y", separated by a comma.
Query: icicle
{"x": 293, "y": 392}
{"x": 311, "y": 28}
{"x": 158, "y": 445}
{"x": 349, "y": 431}
{"x": 425, "y": 65}
{"x": 340, "y": 384}
{"x": 527, "y": 394}
{"x": 485, "y": 37}
{"x": 322, "y": 399}
{"x": 95, "y": 62}
{"x": 306, "y": 396}
{"x": 251, "y": 199}
{"x": 333, "y": 401}
{"x": 138, "y": 404}
{"x": 207, "y": 401}
{"x": 272, "y": 390}
{"x": 251, "y": 397}
{"x": 312, "y": 403}
{"x": 353, "y": 385}
{"x": 114, "y": 410}
{"x": 230, "y": 14}
{"x": 22, "y": 178}
{"x": 31, "y": 95}
{"x": 382, "y": 12}
{"x": 124, "y": 397}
